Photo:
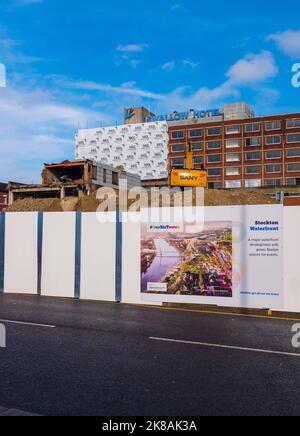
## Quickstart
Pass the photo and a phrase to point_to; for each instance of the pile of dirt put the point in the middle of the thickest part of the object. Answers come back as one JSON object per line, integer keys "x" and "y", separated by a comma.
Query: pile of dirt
{"x": 237, "y": 197}
{"x": 36, "y": 205}
{"x": 91, "y": 203}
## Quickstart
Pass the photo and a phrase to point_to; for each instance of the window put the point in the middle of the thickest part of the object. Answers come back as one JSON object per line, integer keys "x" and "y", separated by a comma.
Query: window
{"x": 215, "y": 185}
{"x": 197, "y": 146}
{"x": 253, "y": 183}
{"x": 215, "y": 172}
{"x": 293, "y": 168}
{"x": 176, "y": 148}
{"x": 104, "y": 175}
{"x": 178, "y": 162}
{"x": 293, "y": 182}
{"x": 271, "y": 140}
{"x": 178, "y": 135}
{"x": 233, "y": 157}
{"x": 293, "y": 152}
{"x": 293, "y": 138}
{"x": 253, "y": 155}
{"x": 250, "y": 128}
{"x": 214, "y": 158}
{"x": 214, "y": 145}
{"x": 293, "y": 124}
{"x": 233, "y": 184}
{"x": 273, "y": 168}
{"x": 273, "y": 125}
{"x": 214, "y": 131}
{"x": 196, "y": 133}
{"x": 273, "y": 154}
{"x": 4, "y": 199}
{"x": 253, "y": 142}
{"x": 253, "y": 170}
{"x": 273, "y": 183}
{"x": 115, "y": 178}
{"x": 233, "y": 171}
{"x": 233, "y": 143}
{"x": 198, "y": 160}
{"x": 231, "y": 130}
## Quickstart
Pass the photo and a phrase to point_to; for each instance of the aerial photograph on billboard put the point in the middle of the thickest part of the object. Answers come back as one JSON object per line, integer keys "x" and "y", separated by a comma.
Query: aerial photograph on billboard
{"x": 189, "y": 261}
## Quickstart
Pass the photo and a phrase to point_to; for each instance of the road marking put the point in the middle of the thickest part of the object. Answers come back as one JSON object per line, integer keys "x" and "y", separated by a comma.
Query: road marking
{"x": 32, "y": 324}
{"x": 227, "y": 347}
{"x": 210, "y": 312}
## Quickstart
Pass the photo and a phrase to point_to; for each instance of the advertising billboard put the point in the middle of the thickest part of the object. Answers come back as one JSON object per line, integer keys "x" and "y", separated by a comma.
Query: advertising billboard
{"x": 232, "y": 258}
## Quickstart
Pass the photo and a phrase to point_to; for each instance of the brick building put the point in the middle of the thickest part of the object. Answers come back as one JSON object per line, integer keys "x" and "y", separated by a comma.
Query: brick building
{"x": 3, "y": 196}
{"x": 242, "y": 153}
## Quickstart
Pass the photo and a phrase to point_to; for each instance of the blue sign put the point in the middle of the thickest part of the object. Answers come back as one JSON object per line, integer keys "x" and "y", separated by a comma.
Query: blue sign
{"x": 129, "y": 113}
{"x": 179, "y": 116}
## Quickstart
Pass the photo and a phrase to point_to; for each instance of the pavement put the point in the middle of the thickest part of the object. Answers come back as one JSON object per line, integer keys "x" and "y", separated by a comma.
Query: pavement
{"x": 75, "y": 358}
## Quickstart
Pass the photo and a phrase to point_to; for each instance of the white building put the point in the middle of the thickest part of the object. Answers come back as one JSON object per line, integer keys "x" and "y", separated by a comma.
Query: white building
{"x": 141, "y": 149}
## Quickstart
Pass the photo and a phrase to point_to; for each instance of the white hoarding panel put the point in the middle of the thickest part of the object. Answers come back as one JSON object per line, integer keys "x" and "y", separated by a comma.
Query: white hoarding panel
{"x": 58, "y": 271}
{"x": 98, "y": 248}
{"x": 20, "y": 275}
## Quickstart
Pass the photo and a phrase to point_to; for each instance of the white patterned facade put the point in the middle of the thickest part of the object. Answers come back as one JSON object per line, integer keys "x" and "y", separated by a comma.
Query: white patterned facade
{"x": 141, "y": 149}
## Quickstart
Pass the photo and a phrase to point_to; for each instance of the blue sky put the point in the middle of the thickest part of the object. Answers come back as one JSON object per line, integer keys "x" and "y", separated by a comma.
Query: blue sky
{"x": 72, "y": 63}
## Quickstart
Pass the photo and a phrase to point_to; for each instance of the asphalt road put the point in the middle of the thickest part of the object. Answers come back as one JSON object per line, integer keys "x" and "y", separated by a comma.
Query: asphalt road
{"x": 98, "y": 359}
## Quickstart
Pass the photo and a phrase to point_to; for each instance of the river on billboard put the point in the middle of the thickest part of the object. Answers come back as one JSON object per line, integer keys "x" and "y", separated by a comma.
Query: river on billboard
{"x": 187, "y": 260}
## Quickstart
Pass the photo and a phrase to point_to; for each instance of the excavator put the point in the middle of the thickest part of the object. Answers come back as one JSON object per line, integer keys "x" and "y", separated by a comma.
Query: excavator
{"x": 189, "y": 177}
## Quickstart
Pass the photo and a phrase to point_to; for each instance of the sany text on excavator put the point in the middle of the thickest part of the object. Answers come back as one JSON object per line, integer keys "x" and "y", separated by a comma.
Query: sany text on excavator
{"x": 189, "y": 177}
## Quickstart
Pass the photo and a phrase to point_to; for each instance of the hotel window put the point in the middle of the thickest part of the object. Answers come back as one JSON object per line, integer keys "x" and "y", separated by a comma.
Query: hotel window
{"x": 273, "y": 154}
{"x": 177, "y": 148}
{"x": 293, "y": 182}
{"x": 178, "y": 162}
{"x": 197, "y": 146}
{"x": 272, "y": 140}
{"x": 215, "y": 172}
{"x": 214, "y": 131}
{"x": 273, "y": 183}
{"x": 196, "y": 133}
{"x": 293, "y": 138}
{"x": 198, "y": 160}
{"x": 253, "y": 170}
{"x": 214, "y": 158}
{"x": 214, "y": 145}
{"x": 233, "y": 143}
{"x": 273, "y": 168}
{"x": 253, "y": 142}
{"x": 215, "y": 185}
{"x": 178, "y": 135}
{"x": 233, "y": 171}
{"x": 293, "y": 124}
{"x": 232, "y": 130}
{"x": 255, "y": 155}
{"x": 273, "y": 125}
{"x": 293, "y": 168}
{"x": 115, "y": 178}
{"x": 250, "y": 128}
{"x": 233, "y": 184}
{"x": 233, "y": 157}
{"x": 104, "y": 175}
{"x": 253, "y": 183}
{"x": 294, "y": 152}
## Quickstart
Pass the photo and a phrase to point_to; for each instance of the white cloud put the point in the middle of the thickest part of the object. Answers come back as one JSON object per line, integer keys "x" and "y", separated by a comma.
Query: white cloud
{"x": 288, "y": 42}
{"x": 190, "y": 63}
{"x": 169, "y": 66}
{"x": 124, "y": 89}
{"x": 35, "y": 128}
{"x": 252, "y": 69}
{"x": 132, "y": 48}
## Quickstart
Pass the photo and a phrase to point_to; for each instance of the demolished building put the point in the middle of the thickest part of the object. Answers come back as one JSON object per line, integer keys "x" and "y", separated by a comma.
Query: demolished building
{"x": 73, "y": 179}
